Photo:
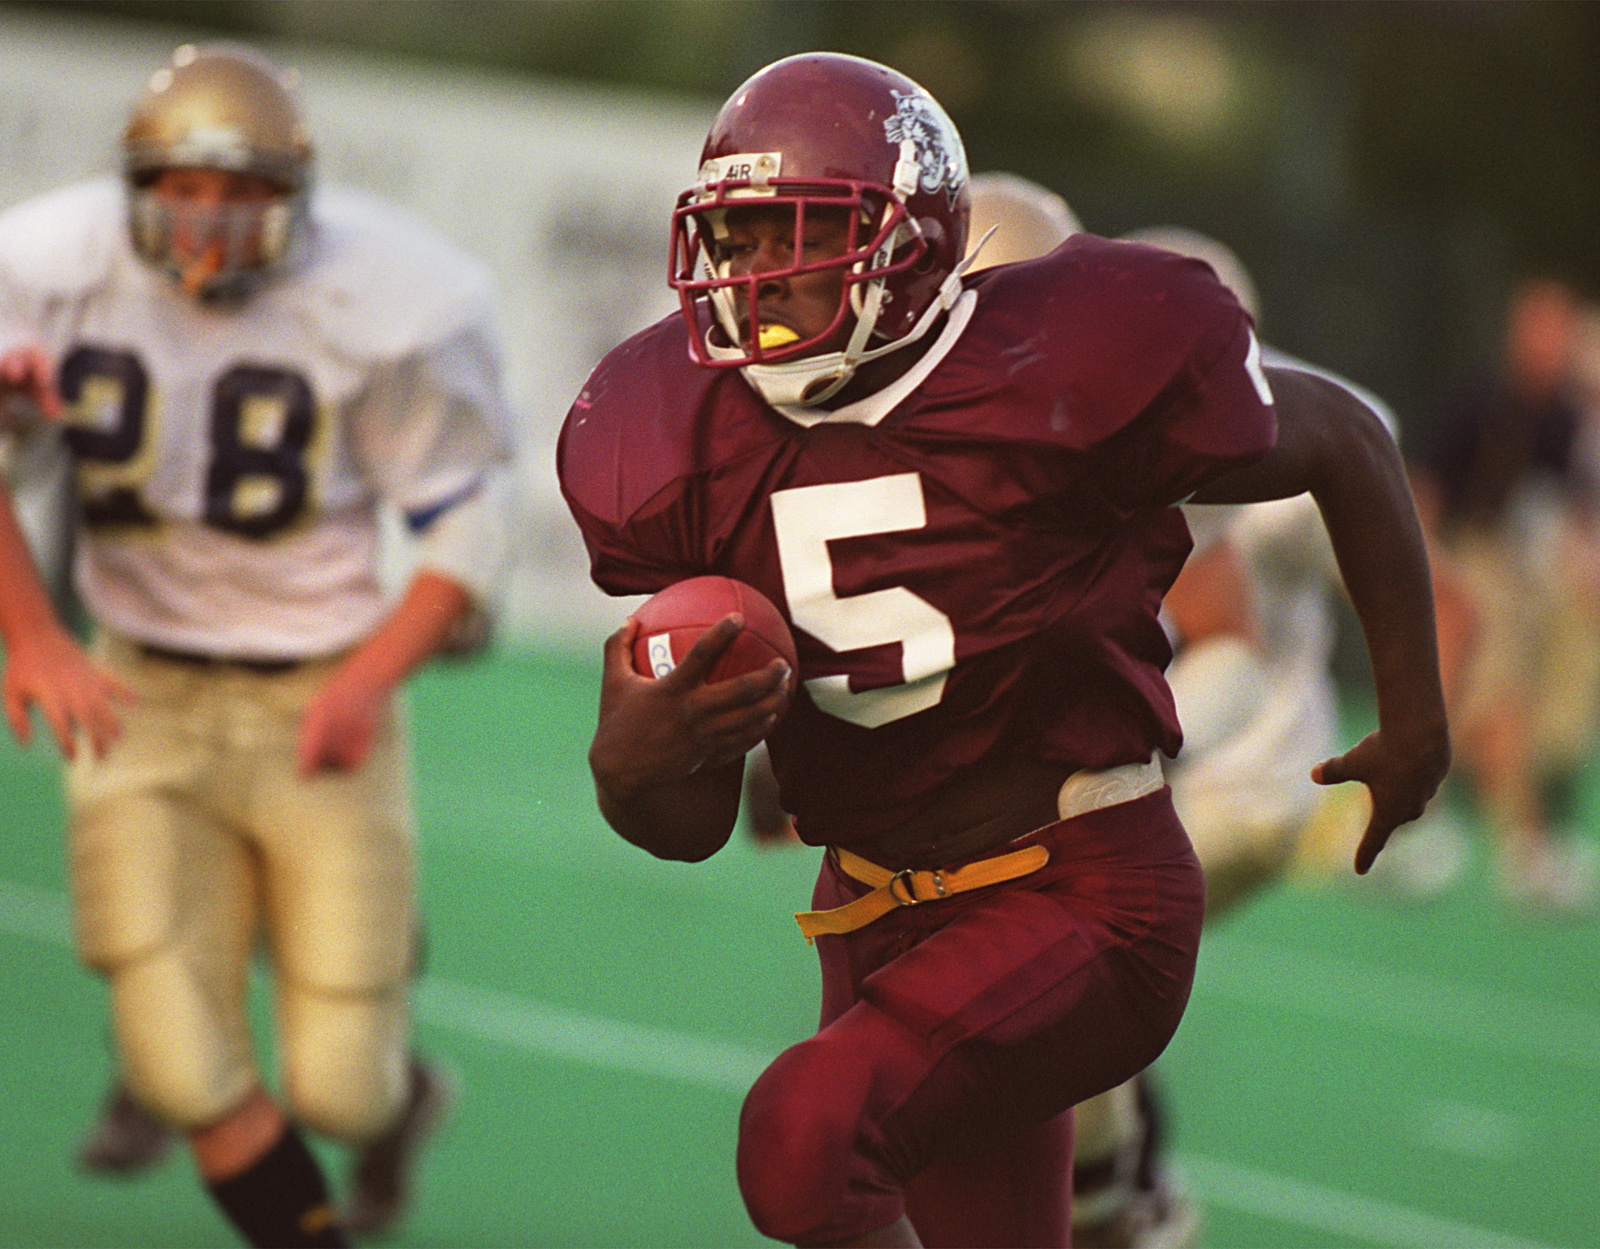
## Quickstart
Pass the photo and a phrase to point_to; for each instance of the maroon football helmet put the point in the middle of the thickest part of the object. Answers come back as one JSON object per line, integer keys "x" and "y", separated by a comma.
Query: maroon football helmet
{"x": 824, "y": 130}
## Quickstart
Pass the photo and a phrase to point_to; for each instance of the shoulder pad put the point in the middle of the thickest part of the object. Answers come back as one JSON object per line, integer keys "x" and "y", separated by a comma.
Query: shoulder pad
{"x": 380, "y": 285}
{"x": 1098, "y": 332}
{"x": 644, "y": 419}
{"x": 64, "y": 242}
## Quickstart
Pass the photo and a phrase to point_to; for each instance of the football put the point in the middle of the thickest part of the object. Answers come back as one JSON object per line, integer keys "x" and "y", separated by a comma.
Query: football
{"x": 673, "y": 620}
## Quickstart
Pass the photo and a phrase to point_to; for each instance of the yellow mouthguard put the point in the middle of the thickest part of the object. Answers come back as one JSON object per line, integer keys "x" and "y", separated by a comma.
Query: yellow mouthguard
{"x": 777, "y": 336}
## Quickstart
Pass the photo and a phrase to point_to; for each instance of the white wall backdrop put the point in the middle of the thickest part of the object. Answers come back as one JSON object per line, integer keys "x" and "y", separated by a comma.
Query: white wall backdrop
{"x": 564, "y": 191}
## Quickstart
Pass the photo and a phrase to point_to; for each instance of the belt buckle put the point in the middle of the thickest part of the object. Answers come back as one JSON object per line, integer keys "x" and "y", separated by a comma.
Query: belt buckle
{"x": 903, "y": 878}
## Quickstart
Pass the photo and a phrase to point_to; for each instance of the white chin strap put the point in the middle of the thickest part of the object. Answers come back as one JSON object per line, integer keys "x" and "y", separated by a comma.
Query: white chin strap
{"x": 811, "y": 380}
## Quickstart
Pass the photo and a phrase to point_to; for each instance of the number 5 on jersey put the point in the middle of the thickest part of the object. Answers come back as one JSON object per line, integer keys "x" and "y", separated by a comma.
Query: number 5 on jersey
{"x": 806, "y": 519}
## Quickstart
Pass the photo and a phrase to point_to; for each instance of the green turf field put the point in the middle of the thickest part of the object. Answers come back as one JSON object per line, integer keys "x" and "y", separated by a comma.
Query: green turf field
{"x": 1352, "y": 1071}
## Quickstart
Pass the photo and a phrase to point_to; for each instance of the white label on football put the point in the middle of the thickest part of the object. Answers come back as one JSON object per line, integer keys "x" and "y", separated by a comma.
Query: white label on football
{"x": 660, "y": 652}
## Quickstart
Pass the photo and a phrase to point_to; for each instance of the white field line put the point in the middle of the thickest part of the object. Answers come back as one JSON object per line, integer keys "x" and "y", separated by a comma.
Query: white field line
{"x": 1230, "y": 968}
{"x": 37, "y": 914}
{"x": 1333, "y": 988}
{"x": 728, "y": 1067}
{"x": 557, "y": 1032}
{"x": 1300, "y": 1204}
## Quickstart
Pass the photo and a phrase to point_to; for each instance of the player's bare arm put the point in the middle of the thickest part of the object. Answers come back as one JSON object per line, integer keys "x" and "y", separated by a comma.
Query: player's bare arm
{"x": 668, "y": 753}
{"x": 342, "y": 721}
{"x": 1331, "y": 445}
{"x": 44, "y": 665}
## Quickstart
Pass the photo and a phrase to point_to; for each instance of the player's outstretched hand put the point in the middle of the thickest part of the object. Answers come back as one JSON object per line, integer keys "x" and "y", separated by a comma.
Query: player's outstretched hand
{"x": 76, "y": 699}
{"x": 1401, "y": 779}
{"x": 657, "y": 730}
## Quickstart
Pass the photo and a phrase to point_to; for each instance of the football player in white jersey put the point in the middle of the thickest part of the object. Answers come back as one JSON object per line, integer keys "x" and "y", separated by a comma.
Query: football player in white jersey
{"x": 1252, "y": 619}
{"x": 244, "y": 375}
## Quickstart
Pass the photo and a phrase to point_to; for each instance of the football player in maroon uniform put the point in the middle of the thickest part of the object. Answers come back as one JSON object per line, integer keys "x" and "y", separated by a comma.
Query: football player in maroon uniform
{"x": 961, "y": 491}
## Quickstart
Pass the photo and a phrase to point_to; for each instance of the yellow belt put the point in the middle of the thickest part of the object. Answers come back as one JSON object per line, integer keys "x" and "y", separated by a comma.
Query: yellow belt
{"x": 910, "y": 887}
{"x": 1082, "y": 792}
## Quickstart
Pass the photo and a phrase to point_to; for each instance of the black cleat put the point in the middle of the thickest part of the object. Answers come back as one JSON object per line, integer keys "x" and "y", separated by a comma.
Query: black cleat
{"x": 126, "y": 1139}
{"x": 381, "y": 1180}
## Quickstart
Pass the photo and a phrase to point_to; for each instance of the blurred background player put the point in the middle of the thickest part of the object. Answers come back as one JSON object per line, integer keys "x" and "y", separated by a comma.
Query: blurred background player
{"x": 128, "y": 1139}
{"x": 1252, "y": 733}
{"x": 973, "y": 564}
{"x": 1253, "y": 624}
{"x": 1015, "y": 219}
{"x": 1509, "y": 499}
{"x": 243, "y": 377}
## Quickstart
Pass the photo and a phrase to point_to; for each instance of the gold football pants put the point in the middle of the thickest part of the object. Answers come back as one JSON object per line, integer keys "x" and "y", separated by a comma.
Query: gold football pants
{"x": 193, "y": 842}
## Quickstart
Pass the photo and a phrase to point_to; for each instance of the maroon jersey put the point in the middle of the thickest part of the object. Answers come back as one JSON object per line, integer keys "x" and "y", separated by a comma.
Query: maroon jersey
{"x": 979, "y": 572}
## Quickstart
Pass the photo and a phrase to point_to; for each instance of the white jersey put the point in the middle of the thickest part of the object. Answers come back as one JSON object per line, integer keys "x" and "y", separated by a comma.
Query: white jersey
{"x": 1295, "y": 580}
{"x": 231, "y": 461}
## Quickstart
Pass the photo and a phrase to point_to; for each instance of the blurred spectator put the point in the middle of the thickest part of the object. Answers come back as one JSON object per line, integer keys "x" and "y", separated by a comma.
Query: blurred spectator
{"x": 1510, "y": 505}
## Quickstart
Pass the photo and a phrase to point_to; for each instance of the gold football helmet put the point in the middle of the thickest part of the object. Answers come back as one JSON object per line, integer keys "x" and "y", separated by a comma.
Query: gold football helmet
{"x": 1028, "y": 220}
{"x": 1224, "y": 261}
{"x": 219, "y": 106}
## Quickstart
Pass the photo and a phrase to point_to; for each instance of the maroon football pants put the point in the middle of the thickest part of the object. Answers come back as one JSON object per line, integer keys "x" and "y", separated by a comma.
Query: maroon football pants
{"x": 956, "y": 1034}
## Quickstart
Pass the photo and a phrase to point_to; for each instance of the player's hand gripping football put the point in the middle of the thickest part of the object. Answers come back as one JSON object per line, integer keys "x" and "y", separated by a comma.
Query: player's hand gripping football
{"x": 1400, "y": 776}
{"x": 654, "y": 730}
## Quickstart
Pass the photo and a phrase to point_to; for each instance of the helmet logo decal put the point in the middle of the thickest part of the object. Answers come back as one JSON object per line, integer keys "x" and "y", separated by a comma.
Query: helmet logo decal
{"x": 939, "y": 152}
